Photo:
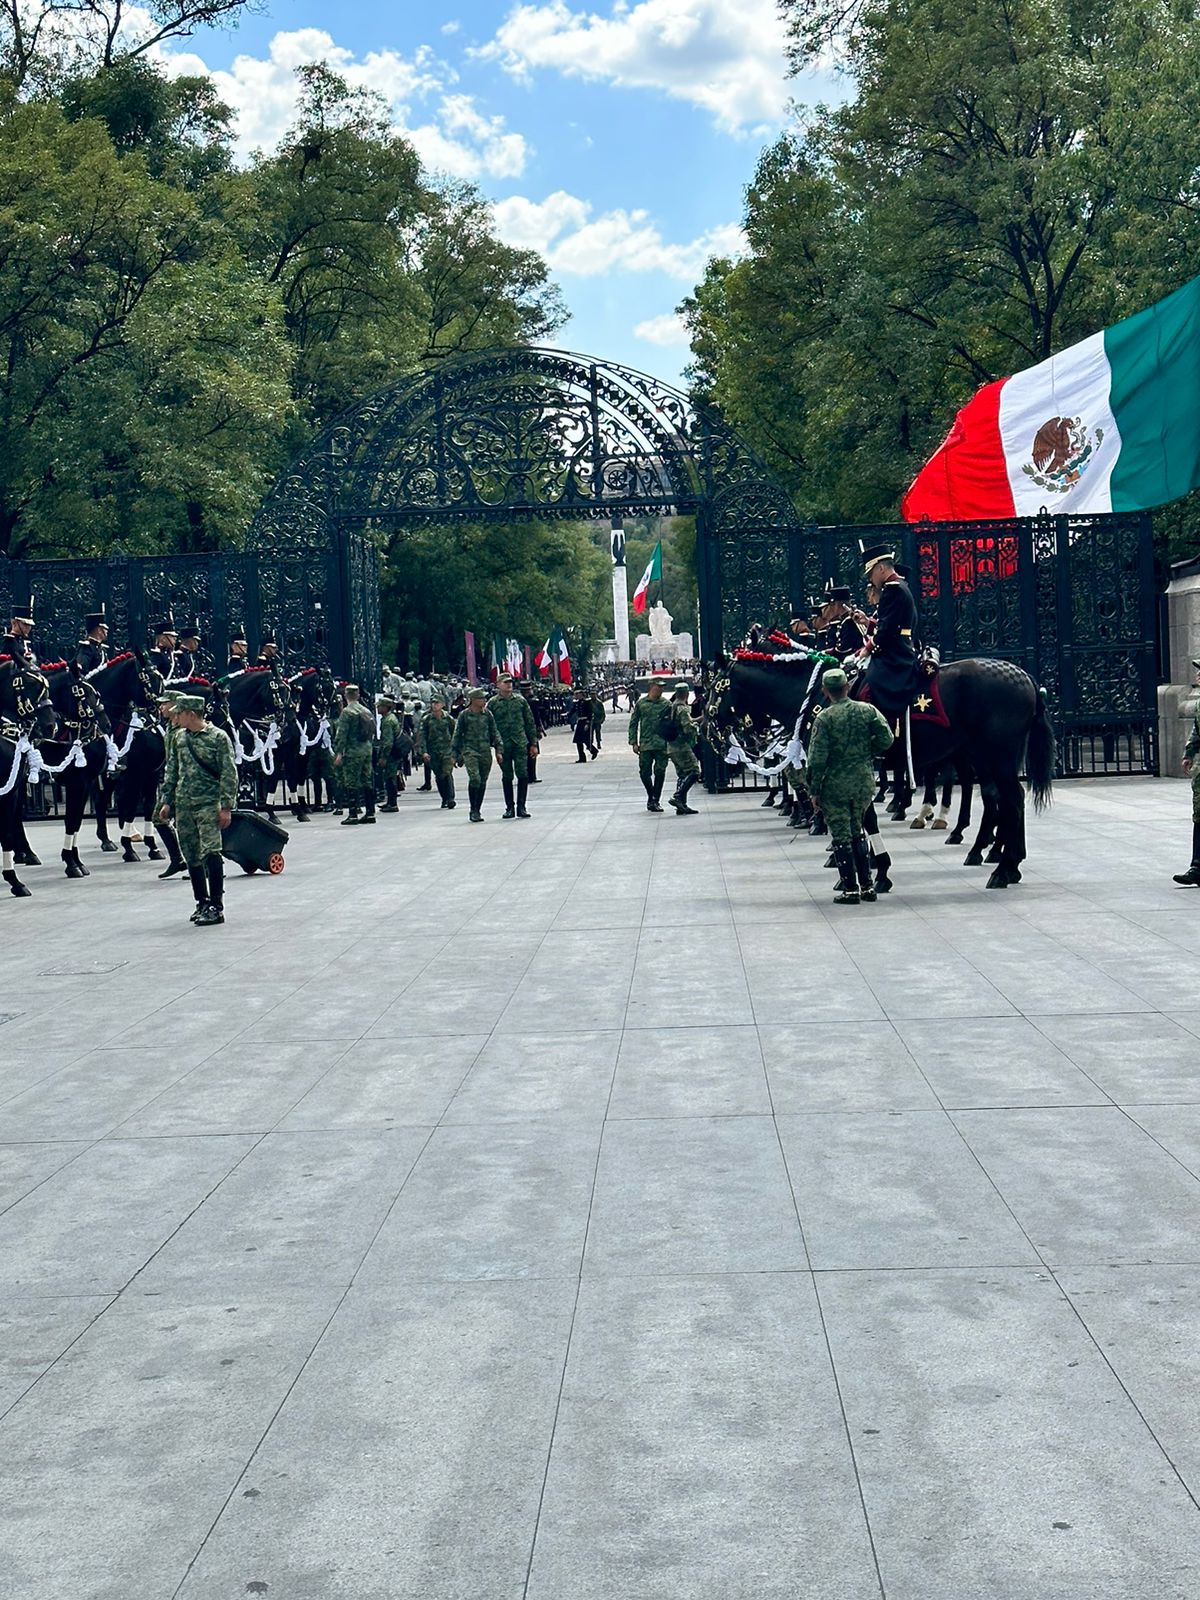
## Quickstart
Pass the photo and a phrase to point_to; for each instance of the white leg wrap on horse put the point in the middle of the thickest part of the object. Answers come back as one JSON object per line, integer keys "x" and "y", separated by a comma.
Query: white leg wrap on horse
{"x": 69, "y": 840}
{"x": 8, "y": 860}
{"x": 944, "y": 810}
{"x": 875, "y": 844}
{"x": 126, "y": 829}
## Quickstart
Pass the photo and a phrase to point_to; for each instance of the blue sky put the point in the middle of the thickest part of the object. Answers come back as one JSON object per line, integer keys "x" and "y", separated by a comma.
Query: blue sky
{"x": 617, "y": 141}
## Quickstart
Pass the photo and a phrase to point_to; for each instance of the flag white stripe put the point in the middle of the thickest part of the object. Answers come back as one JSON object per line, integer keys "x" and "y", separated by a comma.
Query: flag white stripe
{"x": 1074, "y": 386}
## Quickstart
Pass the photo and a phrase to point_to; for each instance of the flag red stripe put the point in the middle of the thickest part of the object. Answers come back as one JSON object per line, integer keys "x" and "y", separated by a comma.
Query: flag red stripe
{"x": 966, "y": 477}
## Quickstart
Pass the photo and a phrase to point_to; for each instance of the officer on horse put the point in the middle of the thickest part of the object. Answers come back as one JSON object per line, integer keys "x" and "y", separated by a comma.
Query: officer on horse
{"x": 92, "y": 650}
{"x": 893, "y": 672}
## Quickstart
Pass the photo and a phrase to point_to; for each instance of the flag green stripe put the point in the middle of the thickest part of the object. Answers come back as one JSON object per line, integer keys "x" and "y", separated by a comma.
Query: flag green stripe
{"x": 1154, "y": 359}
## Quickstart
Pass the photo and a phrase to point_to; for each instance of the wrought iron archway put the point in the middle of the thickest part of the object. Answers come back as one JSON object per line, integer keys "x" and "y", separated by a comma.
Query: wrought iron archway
{"x": 529, "y": 434}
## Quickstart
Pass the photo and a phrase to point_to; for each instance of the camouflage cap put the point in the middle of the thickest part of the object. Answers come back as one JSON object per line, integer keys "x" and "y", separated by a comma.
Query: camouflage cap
{"x": 384, "y": 700}
{"x": 477, "y": 693}
{"x": 834, "y": 678}
{"x": 189, "y": 702}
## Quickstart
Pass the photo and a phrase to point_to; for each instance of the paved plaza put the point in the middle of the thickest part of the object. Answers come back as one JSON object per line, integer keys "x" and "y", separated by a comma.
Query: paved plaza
{"x": 588, "y": 1209}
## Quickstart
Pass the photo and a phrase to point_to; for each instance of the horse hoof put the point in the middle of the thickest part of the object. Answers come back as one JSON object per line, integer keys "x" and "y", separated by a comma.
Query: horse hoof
{"x": 917, "y": 822}
{"x": 993, "y": 855}
{"x": 883, "y": 884}
{"x": 954, "y": 838}
{"x": 1014, "y": 874}
{"x": 974, "y": 859}
{"x": 15, "y": 887}
{"x": 998, "y": 879}
{"x": 69, "y": 867}
{"x": 108, "y": 847}
{"x": 939, "y": 824}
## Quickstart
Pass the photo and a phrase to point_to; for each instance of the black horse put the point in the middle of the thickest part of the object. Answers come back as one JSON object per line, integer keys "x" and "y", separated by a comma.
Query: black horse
{"x": 79, "y": 750}
{"x": 253, "y": 710}
{"x": 997, "y": 720}
{"x": 309, "y": 690}
{"x": 26, "y": 715}
{"x": 129, "y": 687}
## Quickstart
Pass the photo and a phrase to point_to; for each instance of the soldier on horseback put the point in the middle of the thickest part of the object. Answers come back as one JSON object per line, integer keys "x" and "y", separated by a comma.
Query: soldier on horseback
{"x": 893, "y": 672}
{"x": 840, "y": 635}
{"x": 92, "y": 650}
{"x": 162, "y": 657}
{"x": 15, "y": 642}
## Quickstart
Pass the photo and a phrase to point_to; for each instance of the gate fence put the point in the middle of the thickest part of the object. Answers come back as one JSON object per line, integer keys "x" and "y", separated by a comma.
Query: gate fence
{"x": 1071, "y": 599}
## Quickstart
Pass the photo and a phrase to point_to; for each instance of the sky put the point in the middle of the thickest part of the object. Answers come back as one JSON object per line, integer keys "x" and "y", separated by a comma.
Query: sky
{"x": 618, "y": 142}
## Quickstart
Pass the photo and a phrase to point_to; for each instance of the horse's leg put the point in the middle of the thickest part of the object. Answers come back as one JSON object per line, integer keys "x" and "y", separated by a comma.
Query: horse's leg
{"x": 990, "y": 795}
{"x": 75, "y": 788}
{"x": 9, "y": 825}
{"x": 966, "y": 780}
{"x": 1010, "y": 832}
{"x": 925, "y": 815}
{"x": 875, "y": 845}
{"x": 127, "y": 791}
{"x": 942, "y": 820}
{"x": 150, "y": 781}
{"x": 103, "y": 801}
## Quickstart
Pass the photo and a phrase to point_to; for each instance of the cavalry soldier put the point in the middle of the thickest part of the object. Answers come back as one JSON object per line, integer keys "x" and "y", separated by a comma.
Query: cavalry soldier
{"x": 321, "y": 769}
{"x": 841, "y": 635}
{"x": 353, "y": 745}
{"x": 599, "y": 715}
{"x": 189, "y": 643}
{"x": 199, "y": 789}
{"x": 238, "y": 651}
{"x": 518, "y": 740}
{"x": 893, "y": 672}
{"x": 475, "y": 737}
{"x": 15, "y": 642}
{"x": 648, "y": 743}
{"x": 682, "y": 751}
{"x": 387, "y": 751}
{"x": 92, "y": 650}
{"x": 162, "y": 657}
{"x": 437, "y": 736}
{"x": 268, "y": 652}
{"x": 845, "y": 740}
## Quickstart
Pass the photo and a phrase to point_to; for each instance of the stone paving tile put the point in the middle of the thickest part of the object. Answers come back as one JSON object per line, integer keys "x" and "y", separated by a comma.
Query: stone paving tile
{"x": 998, "y": 1061}
{"x": 520, "y": 1077}
{"x": 434, "y": 1404}
{"x": 689, "y": 1072}
{"x": 34, "y": 1332}
{"x": 998, "y": 1454}
{"x": 700, "y": 1450}
{"x": 24, "y": 1166}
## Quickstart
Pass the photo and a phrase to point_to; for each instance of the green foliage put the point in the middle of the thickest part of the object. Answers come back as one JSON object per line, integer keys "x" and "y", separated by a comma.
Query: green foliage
{"x": 1002, "y": 181}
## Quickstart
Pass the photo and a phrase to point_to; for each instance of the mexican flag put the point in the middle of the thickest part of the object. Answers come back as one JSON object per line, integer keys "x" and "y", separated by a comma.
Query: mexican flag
{"x": 506, "y": 657}
{"x": 652, "y": 574}
{"x": 554, "y": 649}
{"x": 1110, "y": 424}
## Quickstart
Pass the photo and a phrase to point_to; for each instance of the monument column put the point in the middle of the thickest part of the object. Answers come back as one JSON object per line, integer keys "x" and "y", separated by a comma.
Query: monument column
{"x": 620, "y": 590}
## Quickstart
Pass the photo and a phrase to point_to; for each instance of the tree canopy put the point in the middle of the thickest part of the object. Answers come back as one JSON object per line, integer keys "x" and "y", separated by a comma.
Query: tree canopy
{"x": 1002, "y": 180}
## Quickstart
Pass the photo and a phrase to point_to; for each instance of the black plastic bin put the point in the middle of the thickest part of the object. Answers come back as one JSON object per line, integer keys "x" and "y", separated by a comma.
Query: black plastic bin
{"x": 254, "y": 842}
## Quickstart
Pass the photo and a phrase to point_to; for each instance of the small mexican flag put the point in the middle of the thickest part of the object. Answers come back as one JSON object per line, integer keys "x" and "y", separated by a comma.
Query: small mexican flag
{"x": 554, "y": 649}
{"x": 1110, "y": 424}
{"x": 652, "y": 574}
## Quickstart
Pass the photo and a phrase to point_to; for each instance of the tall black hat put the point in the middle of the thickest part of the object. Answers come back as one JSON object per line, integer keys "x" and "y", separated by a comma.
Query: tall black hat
{"x": 190, "y": 629}
{"x": 267, "y": 636}
{"x": 902, "y": 571}
{"x": 238, "y": 636}
{"x": 837, "y": 591}
{"x": 94, "y": 620}
{"x": 871, "y": 553}
{"x": 167, "y": 625}
{"x": 22, "y": 611}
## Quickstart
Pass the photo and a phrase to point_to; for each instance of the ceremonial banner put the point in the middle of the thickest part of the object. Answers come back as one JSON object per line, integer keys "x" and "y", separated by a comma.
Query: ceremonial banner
{"x": 563, "y": 656}
{"x": 543, "y": 661}
{"x": 652, "y": 574}
{"x": 1110, "y": 424}
{"x": 472, "y": 673}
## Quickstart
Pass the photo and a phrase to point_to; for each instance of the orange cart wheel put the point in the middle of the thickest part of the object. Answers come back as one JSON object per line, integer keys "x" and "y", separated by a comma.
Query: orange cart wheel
{"x": 276, "y": 863}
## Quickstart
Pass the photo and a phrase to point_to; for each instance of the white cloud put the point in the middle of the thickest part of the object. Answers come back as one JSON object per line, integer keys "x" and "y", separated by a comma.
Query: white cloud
{"x": 667, "y": 330}
{"x": 573, "y": 241}
{"x": 450, "y": 133}
{"x": 726, "y": 56}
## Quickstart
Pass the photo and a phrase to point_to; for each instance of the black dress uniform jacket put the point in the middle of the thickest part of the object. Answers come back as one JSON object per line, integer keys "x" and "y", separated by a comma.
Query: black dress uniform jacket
{"x": 893, "y": 672}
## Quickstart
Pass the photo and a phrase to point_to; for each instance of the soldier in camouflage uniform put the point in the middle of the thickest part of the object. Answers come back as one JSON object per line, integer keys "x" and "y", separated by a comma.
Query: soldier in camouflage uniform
{"x": 1190, "y": 751}
{"x": 387, "y": 749}
{"x": 518, "y": 740}
{"x": 199, "y": 789}
{"x": 437, "y": 734}
{"x": 845, "y": 742}
{"x": 353, "y": 747}
{"x": 475, "y": 737}
{"x": 649, "y": 745}
{"x": 682, "y": 751}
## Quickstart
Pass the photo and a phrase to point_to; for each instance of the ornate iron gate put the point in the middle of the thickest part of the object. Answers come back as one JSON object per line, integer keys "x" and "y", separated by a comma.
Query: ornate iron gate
{"x": 1070, "y": 598}
{"x": 322, "y": 602}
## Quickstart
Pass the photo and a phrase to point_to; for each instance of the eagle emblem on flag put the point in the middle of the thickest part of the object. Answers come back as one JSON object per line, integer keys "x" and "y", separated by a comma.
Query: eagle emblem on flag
{"x": 1062, "y": 449}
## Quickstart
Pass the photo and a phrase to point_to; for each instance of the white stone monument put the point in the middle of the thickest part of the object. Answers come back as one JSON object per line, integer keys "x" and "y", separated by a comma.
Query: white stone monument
{"x": 661, "y": 644}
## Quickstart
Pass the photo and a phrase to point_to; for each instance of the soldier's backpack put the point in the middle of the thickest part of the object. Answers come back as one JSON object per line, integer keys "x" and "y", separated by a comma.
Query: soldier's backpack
{"x": 669, "y": 727}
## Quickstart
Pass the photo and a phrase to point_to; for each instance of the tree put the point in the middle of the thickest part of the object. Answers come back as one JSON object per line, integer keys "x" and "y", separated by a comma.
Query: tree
{"x": 42, "y": 42}
{"x": 1004, "y": 180}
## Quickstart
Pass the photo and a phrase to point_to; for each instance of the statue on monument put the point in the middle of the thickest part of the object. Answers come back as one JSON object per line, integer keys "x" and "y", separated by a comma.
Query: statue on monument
{"x": 663, "y": 643}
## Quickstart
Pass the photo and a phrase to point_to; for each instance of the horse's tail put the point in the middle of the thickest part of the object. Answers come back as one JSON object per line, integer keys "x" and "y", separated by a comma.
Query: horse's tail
{"x": 1041, "y": 755}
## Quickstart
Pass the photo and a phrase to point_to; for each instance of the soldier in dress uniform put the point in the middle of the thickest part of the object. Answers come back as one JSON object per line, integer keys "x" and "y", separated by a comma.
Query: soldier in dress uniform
{"x": 15, "y": 642}
{"x": 92, "y": 650}
{"x": 893, "y": 672}
{"x": 189, "y": 643}
{"x": 162, "y": 657}
{"x": 841, "y": 635}
{"x": 268, "y": 652}
{"x": 238, "y": 651}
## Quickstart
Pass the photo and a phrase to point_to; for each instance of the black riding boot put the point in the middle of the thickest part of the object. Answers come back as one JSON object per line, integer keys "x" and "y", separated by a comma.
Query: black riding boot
{"x": 214, "y": 911}
{"x": 817, "y": 826}
{"x": 506, "y": 784}
{"x": 1192, "y": 875}
{"x": 475, "y": 800}
{"x": 786, "y": 804}
{"x": 392, "y": 791}
{"x": 656, "y": 791}
{"x": 368, "y": 815}
{"x": 862, "y": 863}
{"x": 523, "y": 794}
{"x": 428, "y": 784}
{"x": 846, "y": 893}
{"x": 166, "y": 833}
{"x": 648, "y": 785}
{"x": 199, "y": 889}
